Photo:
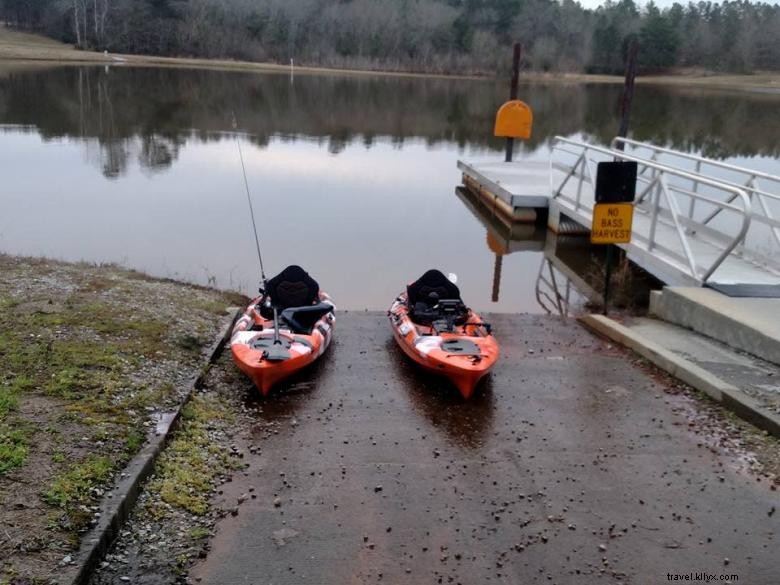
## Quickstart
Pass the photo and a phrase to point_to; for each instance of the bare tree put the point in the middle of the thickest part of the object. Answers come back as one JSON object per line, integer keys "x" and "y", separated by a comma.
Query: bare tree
{"x": 77, "y": 22}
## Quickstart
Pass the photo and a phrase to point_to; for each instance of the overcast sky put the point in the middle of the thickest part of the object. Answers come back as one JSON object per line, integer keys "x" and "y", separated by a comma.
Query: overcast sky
{"x": 659, "y": 3}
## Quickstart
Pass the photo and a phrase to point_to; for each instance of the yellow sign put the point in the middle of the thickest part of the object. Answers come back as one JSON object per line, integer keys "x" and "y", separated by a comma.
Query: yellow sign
{"x": 514, "y": 120}
{"x": 612, "y": 223}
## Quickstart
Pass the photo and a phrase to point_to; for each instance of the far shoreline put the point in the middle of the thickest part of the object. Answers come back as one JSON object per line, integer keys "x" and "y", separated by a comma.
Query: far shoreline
{"x": 24, "y": 49}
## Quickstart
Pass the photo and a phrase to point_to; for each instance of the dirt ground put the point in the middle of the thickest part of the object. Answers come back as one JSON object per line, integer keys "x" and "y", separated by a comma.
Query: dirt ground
{"x": 92, "y": 356}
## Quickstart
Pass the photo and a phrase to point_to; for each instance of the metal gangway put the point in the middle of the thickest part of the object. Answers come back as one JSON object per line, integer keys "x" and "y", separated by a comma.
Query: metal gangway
{"x": 697, "y": 221}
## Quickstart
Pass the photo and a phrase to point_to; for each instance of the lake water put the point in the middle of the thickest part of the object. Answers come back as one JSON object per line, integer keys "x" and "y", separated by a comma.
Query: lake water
{"x": 353, "y": 177}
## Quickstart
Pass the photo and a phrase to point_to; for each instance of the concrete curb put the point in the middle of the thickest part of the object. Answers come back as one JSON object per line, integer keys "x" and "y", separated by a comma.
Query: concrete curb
{"x": 730, "y": 396}
{"x": 115, "y": 511}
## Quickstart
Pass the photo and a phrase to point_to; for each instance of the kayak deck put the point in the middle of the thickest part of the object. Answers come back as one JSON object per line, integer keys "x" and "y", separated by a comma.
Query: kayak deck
{"x": 464, "y": 353}
{"x": 268, "y": 356}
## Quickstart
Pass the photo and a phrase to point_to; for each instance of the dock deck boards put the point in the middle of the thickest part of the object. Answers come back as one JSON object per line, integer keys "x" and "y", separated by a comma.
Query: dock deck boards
{"x": 521, "y": 184}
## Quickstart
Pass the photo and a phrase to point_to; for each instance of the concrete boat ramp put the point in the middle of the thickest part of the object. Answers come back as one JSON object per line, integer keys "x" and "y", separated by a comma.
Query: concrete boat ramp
{"x": 570, "y": 460}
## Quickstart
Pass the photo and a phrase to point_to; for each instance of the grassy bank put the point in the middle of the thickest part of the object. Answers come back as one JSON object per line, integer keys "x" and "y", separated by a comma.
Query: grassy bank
{"x": 18, "y": 47}
{"x": 91, "y": 355}
{"x": 187, "y": 495}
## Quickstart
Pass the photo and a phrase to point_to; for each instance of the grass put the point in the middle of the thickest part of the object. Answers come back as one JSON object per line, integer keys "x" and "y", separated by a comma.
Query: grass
{"x": 134, "y": 441}
{"x": 8, "y": 400}
{"x": 188, "y": 468}
{"x": 71, "y": 489}
{"x": 199, "y": 533}
{"x": 14, "y": 445}
{"x": 13, "y": 438}
{"x": 91, "y": 371}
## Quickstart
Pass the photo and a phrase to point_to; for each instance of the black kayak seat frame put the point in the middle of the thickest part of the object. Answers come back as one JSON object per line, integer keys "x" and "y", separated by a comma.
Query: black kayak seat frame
{"x": 434, "y": 300}
{"x": 295, "y": 295}
{"x": 433, "y": 282}
{"x": 303, "y": 319}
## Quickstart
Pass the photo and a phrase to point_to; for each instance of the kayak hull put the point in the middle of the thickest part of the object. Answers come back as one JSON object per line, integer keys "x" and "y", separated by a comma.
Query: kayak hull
{"x": 425, "y": 347}
{"x": 253, "y": 334}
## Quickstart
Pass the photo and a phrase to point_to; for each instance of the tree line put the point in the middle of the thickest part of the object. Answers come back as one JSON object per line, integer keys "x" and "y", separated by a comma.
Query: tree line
{"x": 440, "y": 36}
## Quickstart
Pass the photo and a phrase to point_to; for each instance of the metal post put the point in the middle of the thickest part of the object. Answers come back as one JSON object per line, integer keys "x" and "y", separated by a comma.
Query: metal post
{"x": 510, "y": 142}
{"x": 607, "y": 277}
{"x": 628, "y": 92}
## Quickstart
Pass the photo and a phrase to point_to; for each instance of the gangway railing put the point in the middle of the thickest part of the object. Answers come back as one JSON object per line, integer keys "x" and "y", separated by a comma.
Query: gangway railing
{"x": 762, "y": 188}
{"x": 662, "y": 192}
{"x": 552, "y": 296}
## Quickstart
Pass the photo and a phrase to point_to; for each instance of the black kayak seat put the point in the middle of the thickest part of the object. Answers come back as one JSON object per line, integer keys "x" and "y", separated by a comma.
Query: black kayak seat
{"x": 431, "y": 286}
{"x": 292, "y": 287}
{"x": 296, "y": 296}
{"x": 433, "y": 297}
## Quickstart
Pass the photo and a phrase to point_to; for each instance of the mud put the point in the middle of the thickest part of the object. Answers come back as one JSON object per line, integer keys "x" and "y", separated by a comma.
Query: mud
{"x": 574, "y": 463}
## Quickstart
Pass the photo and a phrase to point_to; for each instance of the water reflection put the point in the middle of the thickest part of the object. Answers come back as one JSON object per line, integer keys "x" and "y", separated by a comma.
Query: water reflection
{"x": 148, "y": 114}
{"x": 566, "y": 262}
{"x": 502, "y": 236}
{"x": 352, "y": 176}
{"x": 571, "y": 270}
{"x": 563, "y": 283}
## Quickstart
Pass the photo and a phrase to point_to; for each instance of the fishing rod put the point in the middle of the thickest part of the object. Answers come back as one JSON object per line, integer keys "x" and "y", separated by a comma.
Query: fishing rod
{"x": 249, "y": 200}
{"x": 264, "y": 288}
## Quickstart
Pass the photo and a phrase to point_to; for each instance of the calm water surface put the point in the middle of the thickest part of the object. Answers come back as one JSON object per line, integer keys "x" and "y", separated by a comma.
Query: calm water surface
{"x": 352, "y": 177}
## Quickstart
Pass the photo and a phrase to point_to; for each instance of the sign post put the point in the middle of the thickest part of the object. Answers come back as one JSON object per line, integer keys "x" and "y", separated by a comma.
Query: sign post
{"x": 516, "y": 53}
{"x": 628, "y": 91}
{"x": 613, "y": 213}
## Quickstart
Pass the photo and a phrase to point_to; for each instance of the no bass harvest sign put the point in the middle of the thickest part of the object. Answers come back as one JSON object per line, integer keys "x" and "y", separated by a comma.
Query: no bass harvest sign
{"x": 612, "y": 223}
{"x": 614, "y": 210}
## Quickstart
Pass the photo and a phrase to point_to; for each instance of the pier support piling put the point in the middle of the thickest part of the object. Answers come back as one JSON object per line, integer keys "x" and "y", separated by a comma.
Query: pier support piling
{"x": 517, "y": 52}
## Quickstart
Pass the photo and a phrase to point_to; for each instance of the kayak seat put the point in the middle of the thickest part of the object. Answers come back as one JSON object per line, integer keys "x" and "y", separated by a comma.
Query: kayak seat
{"x": 434, "y": 297}
{"x": 431, "y": 283}
{"x": 292, "y": 287}
{"x": 302, "y": 319}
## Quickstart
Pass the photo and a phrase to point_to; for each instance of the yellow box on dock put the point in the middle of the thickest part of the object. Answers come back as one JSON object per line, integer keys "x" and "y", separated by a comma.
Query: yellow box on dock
{"x": 514, "y": 120}
{"x": 612, "y": 223}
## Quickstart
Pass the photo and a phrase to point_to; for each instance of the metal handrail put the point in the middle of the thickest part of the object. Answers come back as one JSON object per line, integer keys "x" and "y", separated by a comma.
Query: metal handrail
{"x": 561, "y": 302}
{"x": 628, "y": 141}
{"x": 750, "y": 184}
{"x": 660, "y": 189}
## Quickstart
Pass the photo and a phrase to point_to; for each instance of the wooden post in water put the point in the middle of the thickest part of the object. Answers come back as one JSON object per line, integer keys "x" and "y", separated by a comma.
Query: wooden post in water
{"x": 497, "y": 277}
{"x": 518, "y": 49}
{"x": 628, "y": 91}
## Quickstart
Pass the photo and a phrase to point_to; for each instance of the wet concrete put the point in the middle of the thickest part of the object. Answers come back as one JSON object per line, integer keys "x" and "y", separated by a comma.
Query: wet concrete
{"x": 572, "y": 465}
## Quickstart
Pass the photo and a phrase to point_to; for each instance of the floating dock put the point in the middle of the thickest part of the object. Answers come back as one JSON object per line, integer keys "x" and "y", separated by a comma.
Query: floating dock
{"x": 696, "y": 221}
{"x": 698, "y": 224}
{"x": 519, "y": 190}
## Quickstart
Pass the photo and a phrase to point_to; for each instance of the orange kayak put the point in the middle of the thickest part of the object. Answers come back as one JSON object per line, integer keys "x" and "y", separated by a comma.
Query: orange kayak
{"x": 433, "y": 327}
{"x": 305, "y": 317}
